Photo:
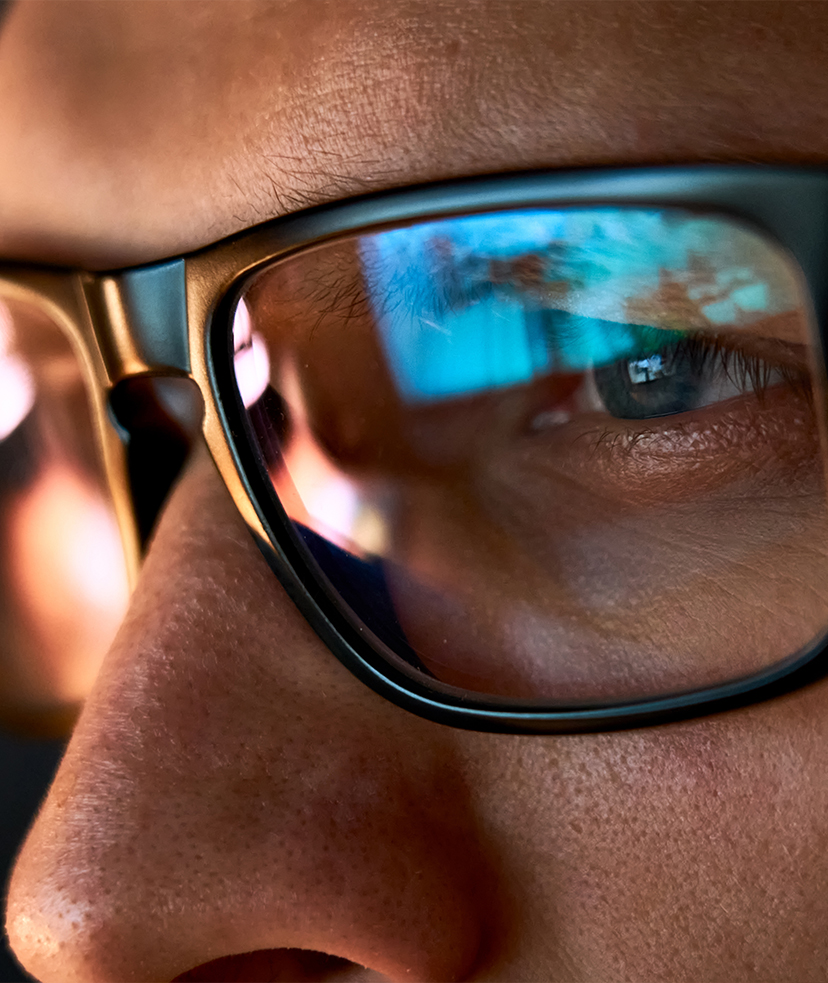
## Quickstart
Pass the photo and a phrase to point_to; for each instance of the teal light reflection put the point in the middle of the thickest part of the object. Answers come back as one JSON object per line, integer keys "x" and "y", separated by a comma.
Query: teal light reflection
{"x": 488, "y": 301}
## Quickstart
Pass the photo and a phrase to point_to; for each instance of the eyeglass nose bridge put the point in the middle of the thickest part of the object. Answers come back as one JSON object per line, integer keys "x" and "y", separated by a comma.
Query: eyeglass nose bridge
{"x": 141, "y": 321}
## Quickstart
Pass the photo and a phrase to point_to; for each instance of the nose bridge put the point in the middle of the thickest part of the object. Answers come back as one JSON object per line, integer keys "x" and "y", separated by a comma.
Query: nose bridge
{"x": 140, "y": 318}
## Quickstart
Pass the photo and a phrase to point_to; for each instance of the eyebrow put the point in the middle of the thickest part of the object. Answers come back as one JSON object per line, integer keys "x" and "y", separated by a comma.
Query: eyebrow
{"x": 325, "y": 184}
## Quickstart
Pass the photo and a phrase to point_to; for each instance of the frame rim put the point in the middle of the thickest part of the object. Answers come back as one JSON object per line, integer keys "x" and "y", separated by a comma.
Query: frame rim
{"x": 273, "y": 531}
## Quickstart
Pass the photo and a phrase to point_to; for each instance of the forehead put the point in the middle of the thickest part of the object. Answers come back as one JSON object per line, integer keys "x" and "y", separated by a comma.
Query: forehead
{"x": 135, "y": 130}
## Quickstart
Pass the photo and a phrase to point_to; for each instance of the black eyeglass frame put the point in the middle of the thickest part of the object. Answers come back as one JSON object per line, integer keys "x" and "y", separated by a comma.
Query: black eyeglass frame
{"x": 174, "y": 317}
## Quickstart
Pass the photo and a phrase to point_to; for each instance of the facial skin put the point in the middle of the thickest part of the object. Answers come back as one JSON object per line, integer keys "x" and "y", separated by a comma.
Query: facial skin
{"x": 230, "y": 787}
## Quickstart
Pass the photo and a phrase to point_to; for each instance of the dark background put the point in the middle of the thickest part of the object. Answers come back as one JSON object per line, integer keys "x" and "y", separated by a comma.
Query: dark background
{"x": 26, "y": 769}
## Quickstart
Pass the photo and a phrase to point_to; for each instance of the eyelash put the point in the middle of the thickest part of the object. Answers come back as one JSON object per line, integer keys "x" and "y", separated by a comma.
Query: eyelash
{"x": 749, "y": 372}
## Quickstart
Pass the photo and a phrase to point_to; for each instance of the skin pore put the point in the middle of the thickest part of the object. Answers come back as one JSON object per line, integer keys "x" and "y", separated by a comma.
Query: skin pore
{"x": 230, "y": 787}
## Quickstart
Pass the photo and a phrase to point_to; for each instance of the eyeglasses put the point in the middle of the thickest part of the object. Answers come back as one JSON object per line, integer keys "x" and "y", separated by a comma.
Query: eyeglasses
{"x": 535, "y": 453}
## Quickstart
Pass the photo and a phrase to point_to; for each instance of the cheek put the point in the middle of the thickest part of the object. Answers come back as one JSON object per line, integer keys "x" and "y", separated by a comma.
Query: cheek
{"x": 694, "y": 851}
{"x": 569, "y": 598}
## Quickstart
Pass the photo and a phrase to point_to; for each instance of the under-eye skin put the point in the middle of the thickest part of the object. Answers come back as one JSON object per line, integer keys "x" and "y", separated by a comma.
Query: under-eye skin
{"x": 772, "y": 440}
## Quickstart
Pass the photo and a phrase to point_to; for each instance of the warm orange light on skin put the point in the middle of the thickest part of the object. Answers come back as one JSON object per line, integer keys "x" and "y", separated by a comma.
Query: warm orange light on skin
{"x": 330, "y": 503}
{"x": 17, "y": 393}
{"x": 66, "y": 577}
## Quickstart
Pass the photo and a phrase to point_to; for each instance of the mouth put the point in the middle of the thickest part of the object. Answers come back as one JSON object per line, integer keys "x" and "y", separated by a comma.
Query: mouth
{"x": 280, "y": 966}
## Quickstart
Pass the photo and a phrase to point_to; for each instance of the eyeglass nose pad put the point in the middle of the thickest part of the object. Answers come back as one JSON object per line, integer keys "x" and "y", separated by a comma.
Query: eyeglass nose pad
{"x": 161, "y": 418}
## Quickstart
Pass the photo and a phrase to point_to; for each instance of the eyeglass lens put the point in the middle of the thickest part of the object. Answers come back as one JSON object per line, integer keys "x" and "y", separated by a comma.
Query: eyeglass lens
{"x": 63, "y": 582}
{"x": 563, "y": 454}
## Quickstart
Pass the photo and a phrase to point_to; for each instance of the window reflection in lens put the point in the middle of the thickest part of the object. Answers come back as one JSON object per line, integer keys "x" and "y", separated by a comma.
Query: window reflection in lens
{"x": 63, "y": 586}
{"x": 583, "y": 443}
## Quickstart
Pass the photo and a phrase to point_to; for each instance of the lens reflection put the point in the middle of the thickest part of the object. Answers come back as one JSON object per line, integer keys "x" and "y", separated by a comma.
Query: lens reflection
{"x": 63, "y": 584}
{"x": 566, "y": 454}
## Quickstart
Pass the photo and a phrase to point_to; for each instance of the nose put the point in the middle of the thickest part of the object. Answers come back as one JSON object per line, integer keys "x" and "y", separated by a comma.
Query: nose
{"x": 230, "y": 788}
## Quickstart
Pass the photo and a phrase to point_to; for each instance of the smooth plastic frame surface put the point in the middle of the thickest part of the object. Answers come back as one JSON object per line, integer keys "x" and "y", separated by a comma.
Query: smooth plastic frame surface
{"x": 173, "y": 317}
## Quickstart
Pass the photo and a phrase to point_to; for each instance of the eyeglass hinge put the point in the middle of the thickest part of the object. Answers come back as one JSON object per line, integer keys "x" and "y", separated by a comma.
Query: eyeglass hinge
{"x": 141, "y": 320}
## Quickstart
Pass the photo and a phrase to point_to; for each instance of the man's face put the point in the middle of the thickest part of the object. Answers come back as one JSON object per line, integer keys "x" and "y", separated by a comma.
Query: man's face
{"x": 230, "y": 787}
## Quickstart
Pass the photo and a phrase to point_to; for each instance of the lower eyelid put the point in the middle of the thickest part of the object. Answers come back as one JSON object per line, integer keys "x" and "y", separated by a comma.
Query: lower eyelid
{"x": 721, "y": 446}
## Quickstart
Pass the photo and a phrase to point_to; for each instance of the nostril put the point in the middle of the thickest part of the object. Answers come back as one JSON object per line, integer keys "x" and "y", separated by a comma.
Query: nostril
{"x": 280, "y": 966}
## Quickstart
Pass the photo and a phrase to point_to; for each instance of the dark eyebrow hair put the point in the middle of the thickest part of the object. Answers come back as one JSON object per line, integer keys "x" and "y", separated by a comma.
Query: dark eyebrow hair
{"x": 5, "y": 7}
{"x": 329, "y": 183}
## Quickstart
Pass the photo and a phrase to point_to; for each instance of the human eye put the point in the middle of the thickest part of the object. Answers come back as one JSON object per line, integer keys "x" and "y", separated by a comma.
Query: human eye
{"x": 565, "y": 436}
{"x": 664, "y": 376}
